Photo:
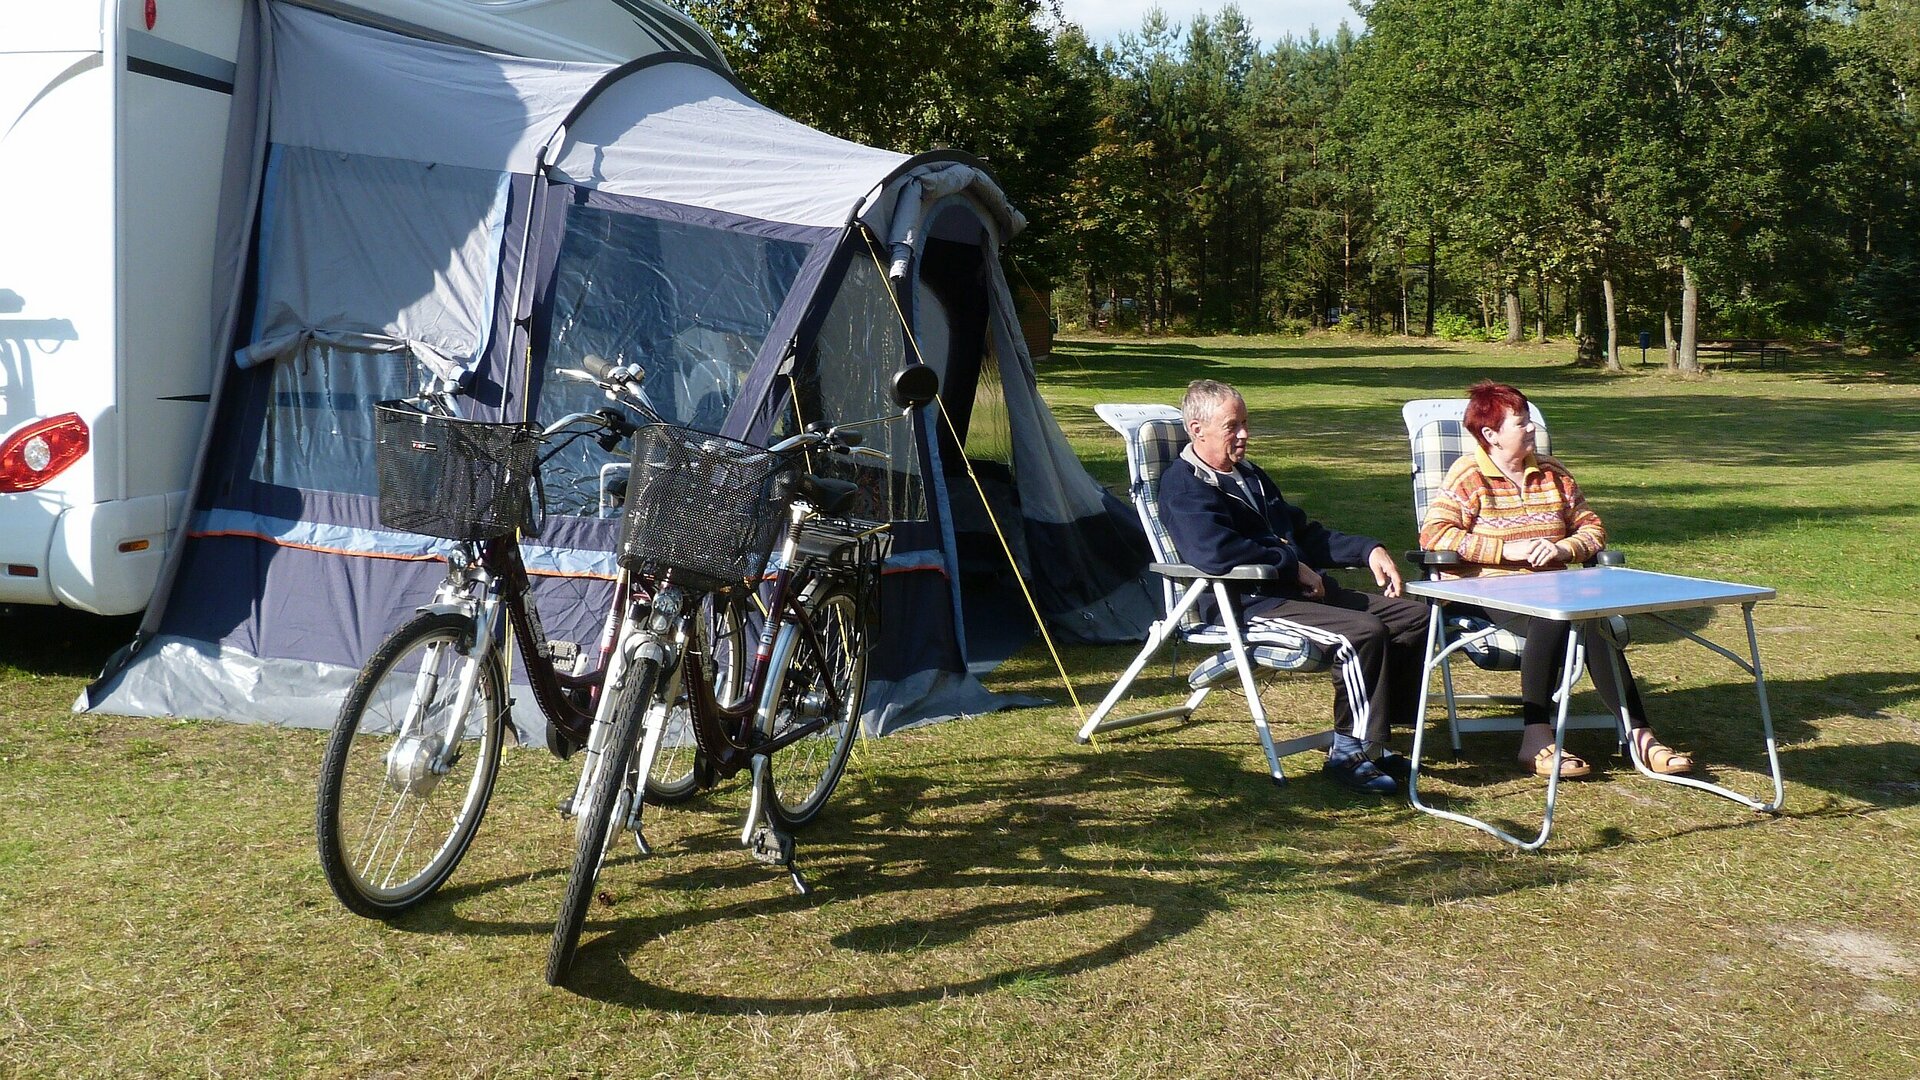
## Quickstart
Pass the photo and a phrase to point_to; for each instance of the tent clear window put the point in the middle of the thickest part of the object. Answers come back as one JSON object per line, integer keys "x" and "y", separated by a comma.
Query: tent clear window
{"x": 692, "y": 304}
{"x": 318, "y": 431}
{"x": 847, "y": 376}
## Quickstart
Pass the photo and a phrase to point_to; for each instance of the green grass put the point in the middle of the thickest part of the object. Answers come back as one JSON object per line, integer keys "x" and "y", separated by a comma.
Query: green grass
{"x": 994, "y": 900}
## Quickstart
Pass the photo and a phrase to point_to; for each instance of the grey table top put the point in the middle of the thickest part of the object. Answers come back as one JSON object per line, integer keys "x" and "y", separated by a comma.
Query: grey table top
{"x": 1590, "y": 593}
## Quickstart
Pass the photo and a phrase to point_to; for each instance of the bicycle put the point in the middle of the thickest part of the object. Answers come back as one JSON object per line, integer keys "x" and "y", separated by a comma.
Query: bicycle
{"x": 411, "y": 762}
{"x": 702, "y": 517}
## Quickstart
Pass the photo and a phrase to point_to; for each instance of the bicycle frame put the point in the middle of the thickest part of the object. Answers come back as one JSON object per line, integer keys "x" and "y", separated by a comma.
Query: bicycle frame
{"x": 727, "y": 736}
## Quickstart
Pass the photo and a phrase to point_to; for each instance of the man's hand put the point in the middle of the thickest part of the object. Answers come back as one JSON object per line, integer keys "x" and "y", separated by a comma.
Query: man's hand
{"x": 1312, "y": 585}
{"x": 1386, "y": 572}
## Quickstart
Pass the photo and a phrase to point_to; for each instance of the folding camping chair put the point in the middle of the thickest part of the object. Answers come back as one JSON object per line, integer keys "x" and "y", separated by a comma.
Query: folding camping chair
{"x": 1154, "y": 437}
{"x": 1438, "y": 438}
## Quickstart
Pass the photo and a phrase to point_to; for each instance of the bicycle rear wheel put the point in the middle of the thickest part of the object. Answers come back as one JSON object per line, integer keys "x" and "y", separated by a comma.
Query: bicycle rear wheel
{"x": 594, "y": 828}
{"x": 723, "y": 649}
{"x": 828, "y": 681}
{"x": 396, "y": 813}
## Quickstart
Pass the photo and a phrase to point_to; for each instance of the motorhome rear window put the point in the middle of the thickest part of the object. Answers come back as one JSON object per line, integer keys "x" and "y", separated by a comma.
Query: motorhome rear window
{"x": 690, "y": 303}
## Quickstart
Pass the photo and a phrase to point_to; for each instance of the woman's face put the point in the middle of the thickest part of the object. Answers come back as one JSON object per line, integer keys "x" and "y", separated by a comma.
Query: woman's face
{"x": 1513, "y": 439}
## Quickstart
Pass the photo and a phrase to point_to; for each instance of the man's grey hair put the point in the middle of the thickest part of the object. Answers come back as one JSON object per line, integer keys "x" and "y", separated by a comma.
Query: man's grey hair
{"x": 1205, "y": 398}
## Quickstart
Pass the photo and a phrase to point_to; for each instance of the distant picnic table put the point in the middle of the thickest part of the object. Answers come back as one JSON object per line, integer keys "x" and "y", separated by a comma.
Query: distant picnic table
{"x": 1728, "y": 348}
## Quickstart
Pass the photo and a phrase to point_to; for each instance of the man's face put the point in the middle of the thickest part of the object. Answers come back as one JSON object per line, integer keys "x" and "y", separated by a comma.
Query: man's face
{"x": 1222, "y": 441}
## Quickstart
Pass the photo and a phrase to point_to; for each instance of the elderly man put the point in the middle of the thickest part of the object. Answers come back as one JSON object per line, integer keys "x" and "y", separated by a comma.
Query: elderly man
{"x": 1224, "y": 511}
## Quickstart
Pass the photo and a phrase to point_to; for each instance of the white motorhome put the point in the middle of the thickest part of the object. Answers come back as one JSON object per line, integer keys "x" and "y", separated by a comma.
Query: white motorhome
{"x": 113, "y": 123}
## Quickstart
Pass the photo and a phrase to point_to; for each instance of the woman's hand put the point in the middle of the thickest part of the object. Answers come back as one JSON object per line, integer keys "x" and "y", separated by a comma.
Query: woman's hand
{"x": 1536, "y": 553}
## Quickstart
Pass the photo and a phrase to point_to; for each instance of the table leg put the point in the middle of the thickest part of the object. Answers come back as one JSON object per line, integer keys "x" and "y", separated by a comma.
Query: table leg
{"x": 1568, "y": 674}
{"x": 1752, "y": 667}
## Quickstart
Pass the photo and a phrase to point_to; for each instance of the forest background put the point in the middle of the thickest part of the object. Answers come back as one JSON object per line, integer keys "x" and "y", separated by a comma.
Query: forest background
{"x": 1697, "y": 169}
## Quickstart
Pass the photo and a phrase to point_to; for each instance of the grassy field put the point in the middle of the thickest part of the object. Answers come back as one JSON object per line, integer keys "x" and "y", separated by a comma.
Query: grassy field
{"x": 993, "y": 900}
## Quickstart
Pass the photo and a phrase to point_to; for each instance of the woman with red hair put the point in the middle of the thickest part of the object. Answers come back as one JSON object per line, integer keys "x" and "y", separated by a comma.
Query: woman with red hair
{"x": 1506, "y": 510}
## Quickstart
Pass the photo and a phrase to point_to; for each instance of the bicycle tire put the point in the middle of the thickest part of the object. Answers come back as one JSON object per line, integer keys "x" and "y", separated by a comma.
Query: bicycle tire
{"x": 366, "y": 792}
{"x": 722, "y": 624}
{"x": 595, "y": 822}
{"x": 799, "y": 778}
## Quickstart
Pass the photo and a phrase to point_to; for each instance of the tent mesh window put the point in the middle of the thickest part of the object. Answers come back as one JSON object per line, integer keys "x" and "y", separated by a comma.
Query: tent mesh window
{"x": 846, "y": 377}
{"x": 691, "y": 304}
{"x": 318, "y": 430}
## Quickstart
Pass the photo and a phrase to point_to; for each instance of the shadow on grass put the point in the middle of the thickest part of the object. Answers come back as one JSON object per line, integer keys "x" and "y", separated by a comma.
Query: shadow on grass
{"x": 1176, "y": 865}
{"x": 1173, "y": 832}
{"x": 58, "y": 641}
{"x": 1204, "y": 833}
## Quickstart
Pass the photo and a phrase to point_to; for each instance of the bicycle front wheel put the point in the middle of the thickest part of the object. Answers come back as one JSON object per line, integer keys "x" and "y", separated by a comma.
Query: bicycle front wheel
{"x": 595, "y": 826}
{"x": 398, "y": 803}
{"x": 827, "y": 682}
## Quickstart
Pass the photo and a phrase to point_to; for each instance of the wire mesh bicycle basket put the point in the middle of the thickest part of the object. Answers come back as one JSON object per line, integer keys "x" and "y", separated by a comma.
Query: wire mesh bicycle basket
{"x": 452, "y": 478}
{"x": 708, "y": 508}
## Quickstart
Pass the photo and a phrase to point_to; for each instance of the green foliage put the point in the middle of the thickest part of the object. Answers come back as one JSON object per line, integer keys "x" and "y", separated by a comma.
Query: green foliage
{"x": 1759, "y": 152}
{"x": 1883, "y": 308}
{"x": 1454, "y": 326}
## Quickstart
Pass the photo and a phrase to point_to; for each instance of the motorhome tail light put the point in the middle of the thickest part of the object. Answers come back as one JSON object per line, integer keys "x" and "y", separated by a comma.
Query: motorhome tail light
{"x": 41, "y": 451}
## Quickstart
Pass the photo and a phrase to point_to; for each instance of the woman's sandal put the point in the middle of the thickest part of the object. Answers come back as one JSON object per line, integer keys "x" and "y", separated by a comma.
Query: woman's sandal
{"x": 1572, "y": 766}
{"x": 1660, "y": 758}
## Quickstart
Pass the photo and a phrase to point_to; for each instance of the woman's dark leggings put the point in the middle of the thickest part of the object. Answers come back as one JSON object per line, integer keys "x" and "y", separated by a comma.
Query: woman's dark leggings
{"x": 1540, "y": 667}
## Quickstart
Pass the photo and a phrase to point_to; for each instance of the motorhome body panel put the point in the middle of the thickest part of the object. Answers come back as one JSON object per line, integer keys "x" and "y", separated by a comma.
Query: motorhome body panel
{"x": 113, "y": 121}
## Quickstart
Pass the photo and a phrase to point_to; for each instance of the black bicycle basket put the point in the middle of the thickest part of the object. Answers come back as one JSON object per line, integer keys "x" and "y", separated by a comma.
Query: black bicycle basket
{"x": 452, "y": 478}
{"x": 705, "y": 507}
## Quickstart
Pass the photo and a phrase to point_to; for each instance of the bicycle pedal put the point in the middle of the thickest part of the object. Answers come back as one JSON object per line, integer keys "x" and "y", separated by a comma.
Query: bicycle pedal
{"x": 773, "y": 847}
{"x": 565, "y": 806}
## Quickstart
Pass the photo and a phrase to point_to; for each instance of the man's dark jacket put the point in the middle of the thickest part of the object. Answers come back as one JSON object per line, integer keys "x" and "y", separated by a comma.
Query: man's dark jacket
{"x": 1216, "y": 529}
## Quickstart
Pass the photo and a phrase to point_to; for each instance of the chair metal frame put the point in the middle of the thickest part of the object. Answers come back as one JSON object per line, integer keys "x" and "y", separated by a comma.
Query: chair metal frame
{"x": 1182, "y": 586}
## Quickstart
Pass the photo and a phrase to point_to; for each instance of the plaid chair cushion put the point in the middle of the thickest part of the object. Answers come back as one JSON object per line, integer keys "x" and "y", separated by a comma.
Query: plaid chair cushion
{"x": 1269, "y": 645}
{"x": 1156, "y": 448}
{"x": 1498, "y": 651}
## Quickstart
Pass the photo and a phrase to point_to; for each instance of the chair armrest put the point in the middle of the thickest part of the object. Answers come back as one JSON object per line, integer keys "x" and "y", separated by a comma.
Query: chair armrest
{"x": 1249, "y": 572}
{"x": 1434, "y": 558}
{"x": 1609, "y": 557}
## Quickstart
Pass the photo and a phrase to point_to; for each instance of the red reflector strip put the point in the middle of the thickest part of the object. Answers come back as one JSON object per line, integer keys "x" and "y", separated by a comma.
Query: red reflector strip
{"x": 22, "y": 570}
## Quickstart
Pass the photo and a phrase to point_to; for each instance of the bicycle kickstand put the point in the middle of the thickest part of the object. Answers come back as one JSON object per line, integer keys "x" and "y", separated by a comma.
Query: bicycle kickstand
{"x": 774, "y": 847}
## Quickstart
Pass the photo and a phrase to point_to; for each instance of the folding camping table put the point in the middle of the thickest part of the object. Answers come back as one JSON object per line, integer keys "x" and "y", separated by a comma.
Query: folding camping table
{"x": 1581, "y": 598}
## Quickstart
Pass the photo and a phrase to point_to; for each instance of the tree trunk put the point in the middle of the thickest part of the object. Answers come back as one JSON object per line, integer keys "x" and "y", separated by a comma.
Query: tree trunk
{"x": 1515, "y": 332}
{"x": 1613, "y": 323}
{"x": 1667, "y": 344}
{"x": 1540, "y": 316}
{"x": 1433, "y": 282}
{"x": 1589, "y": 312}
{"x": 1689, "y": 362}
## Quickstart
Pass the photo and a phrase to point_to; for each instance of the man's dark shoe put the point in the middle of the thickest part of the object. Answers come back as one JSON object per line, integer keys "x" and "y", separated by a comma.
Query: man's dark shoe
{"x": 1398, "y": 766}
{"x": 1359, "y": 774}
